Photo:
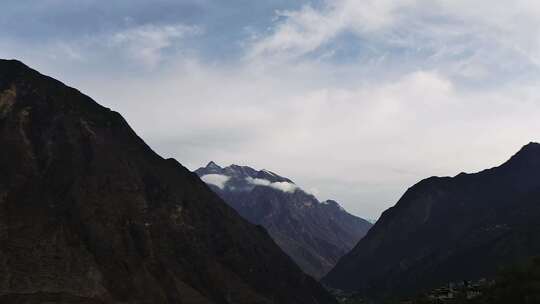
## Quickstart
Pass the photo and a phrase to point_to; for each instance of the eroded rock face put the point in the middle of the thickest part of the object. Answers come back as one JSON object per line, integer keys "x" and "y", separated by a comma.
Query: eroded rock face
{"x": 90, "y": 214}
{"x": 449, "y": 229}
{"x": 315, "y": 234}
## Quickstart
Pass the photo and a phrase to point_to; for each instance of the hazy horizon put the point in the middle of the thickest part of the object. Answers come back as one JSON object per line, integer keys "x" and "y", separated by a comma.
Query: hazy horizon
{"x": 353, "y": 100}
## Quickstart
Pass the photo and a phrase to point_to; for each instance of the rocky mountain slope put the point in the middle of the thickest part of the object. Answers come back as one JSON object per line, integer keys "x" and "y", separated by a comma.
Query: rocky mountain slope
{"x": 315, "y": 234}
{"x": 449, "y": 229}
{"x": 90, "y": 214}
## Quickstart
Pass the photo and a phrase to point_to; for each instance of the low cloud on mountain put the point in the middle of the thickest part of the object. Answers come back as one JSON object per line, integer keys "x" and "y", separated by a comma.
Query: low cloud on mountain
{"x": 283, "y": 186}
{"x": 343, "y": 94}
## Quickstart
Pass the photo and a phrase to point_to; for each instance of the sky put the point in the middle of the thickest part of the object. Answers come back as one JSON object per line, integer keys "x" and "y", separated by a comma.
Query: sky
{"x": 354, "y": 100}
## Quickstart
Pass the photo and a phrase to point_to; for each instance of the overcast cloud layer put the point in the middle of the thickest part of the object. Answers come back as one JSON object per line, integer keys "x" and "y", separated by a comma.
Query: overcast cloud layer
{"x": 355, "y": 100}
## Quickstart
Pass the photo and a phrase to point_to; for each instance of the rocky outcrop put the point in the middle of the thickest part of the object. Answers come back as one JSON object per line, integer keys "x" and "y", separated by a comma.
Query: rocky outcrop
{"x": 90, "y": 214}
{"x": 315, "y": 234}
{"x": 449, "y": 229}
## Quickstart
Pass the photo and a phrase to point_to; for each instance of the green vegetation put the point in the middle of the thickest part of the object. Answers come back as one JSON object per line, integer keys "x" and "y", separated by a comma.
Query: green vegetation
{"x": 518, "y": 284}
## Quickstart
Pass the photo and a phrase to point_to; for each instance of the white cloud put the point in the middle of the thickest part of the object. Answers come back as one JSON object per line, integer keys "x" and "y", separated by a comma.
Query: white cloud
{"x": 258, "y": 181}
{"x": 217, "y": 180}
{"x": 282, "y": 186}
{"x": 444, "y": 87}
{"x": 140, "y": 46}
{"x": 305, "y": 30}
{"x": 147, "y": 42}
{"x": 474, "y": 35}
{"x": 361, "y": 142}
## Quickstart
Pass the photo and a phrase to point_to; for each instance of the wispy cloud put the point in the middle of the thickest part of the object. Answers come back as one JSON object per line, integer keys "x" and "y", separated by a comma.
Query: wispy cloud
{"x": 303, "y": 31}
{"x": 470, "y": 39}
{"x": 217, "y": 180}
{"x": 143, "y": 46}
{"x": 282, "y": 186}
{"x": 359, "y": 99}
{"x": 147, "y": 42}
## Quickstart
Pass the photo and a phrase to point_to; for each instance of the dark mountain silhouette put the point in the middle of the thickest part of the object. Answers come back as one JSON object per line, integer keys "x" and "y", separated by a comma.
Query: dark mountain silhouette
{"x": 315, "y": 234}
{"x": 448, "y": 229}
{"x": 90, "y": 214}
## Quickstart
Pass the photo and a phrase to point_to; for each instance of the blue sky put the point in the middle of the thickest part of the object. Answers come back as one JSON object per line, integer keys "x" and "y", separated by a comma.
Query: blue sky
{"x": 354, "y": 100}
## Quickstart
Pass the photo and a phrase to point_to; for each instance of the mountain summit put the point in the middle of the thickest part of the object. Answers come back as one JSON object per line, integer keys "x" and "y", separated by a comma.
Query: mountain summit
{"x": 315, "y": 234}
{"x": 90, "y": 214}
{"x": 447, "y": 229}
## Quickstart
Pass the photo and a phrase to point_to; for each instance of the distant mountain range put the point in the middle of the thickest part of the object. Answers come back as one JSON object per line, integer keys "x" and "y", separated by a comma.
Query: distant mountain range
{"x": 315, "y": 234}
{"x": 448, "y": 229}
{"x": 90, "y": 214}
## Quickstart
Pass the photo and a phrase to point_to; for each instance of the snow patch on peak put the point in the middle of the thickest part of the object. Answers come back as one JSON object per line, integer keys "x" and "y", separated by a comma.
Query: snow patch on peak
{"x": 217, "y": 180}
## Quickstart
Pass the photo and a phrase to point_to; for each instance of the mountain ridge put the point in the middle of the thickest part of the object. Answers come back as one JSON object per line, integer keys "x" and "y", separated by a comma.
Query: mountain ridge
{"x": 91, "y": 214}
{"x": 315, "y": 234}
{"x": 439, "y": 221}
